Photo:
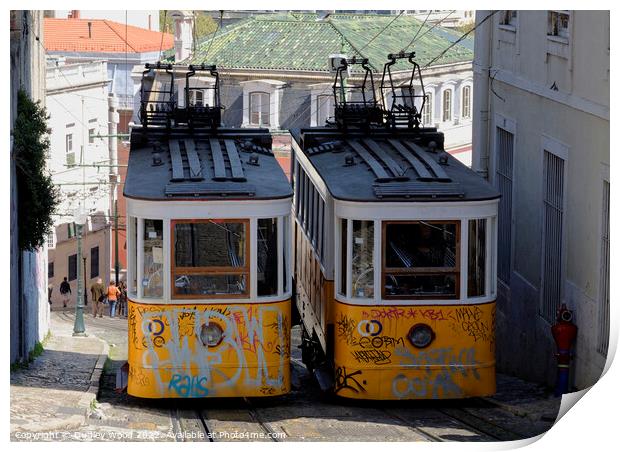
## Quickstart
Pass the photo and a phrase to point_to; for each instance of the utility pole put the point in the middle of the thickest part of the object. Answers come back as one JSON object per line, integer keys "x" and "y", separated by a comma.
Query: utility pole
{"x": 113, "y": 120}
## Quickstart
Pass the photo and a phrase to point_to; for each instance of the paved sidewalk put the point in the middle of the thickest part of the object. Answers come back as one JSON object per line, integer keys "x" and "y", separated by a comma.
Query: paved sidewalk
{"x": 55, "y": 392}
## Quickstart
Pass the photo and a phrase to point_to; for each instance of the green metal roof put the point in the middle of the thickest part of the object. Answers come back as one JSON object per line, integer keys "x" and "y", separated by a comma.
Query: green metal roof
{"x": 299, "y": 42}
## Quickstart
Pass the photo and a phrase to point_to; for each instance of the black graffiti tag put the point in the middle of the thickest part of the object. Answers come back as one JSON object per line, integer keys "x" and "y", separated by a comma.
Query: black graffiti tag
{"x": 346, "y": 380}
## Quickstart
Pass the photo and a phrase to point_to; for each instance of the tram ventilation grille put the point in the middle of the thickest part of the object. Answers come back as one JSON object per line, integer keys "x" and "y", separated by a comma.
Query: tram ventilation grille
{"x": 204, "y": 189}
{"x": 418, "y": 190}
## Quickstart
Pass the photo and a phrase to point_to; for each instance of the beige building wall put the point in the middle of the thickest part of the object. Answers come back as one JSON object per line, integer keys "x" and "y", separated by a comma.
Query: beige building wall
{"x": 59, "y": 257}
{"x": 552, "y": 93}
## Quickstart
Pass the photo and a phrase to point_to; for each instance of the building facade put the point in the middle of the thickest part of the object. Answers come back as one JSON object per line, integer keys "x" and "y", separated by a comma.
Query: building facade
{"x": 274, "y": 70}
{"x": 77, "y": 100}
{"x": 29, "y": 310}
{"x": 122, "y": 41}
{"x": 541, "y": 135}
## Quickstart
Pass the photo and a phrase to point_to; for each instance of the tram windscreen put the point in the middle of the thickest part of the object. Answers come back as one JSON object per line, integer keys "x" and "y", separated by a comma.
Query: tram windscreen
{"x": 421, "y": 259}
{"x": 210, "y": 258}
{"x": 209, "y": 244}
{"x": 152, "y": 259}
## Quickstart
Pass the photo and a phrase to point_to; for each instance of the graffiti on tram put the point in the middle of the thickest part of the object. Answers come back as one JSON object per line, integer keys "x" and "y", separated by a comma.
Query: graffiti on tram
{"x": 170, "y": 354}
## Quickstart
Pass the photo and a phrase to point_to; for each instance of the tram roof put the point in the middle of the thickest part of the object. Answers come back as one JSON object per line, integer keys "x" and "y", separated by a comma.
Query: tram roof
{"x": 390, "y": 165}
{"x": 227, "y": 164}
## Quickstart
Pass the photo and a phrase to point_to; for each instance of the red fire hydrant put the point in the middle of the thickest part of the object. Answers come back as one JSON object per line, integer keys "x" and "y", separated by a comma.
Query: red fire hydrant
{"x": 564, "y": 333}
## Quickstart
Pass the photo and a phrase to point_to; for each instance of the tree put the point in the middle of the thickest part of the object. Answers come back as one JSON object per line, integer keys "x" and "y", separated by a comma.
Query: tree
{"x": 37, "y": 197}
{"x": 203, "y": 23}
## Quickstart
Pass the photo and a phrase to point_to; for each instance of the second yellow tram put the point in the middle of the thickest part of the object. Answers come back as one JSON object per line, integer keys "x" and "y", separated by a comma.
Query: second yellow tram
{"x": 395, "y": 261}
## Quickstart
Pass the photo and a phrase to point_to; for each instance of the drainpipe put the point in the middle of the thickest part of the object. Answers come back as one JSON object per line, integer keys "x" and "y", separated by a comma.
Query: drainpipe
{"x": 482, "y": 108}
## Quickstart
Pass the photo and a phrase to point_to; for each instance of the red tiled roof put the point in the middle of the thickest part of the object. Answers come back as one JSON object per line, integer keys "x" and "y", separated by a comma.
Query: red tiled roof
{"x": 71, "y": 35}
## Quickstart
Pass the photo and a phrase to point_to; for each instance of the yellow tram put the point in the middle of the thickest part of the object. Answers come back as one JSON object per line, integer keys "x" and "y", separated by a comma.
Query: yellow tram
{"x": 394, "y": 251}
{"x": 209, "y": 254}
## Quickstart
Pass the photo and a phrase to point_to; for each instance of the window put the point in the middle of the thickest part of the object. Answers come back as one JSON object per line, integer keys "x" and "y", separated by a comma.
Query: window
{"x": 362, "y": 265}
{"x": 476, "y": 257}
{"x": 69, "y": 153}
{"x": 70, "y": 230}
{"x": 259, "y": 109}
{"x": 324, "y": 109}
{"x": 310, "y": 210}
{"x": 196, "y": 97}
{"x": 421, "y": 259}
{"x": 50, "y": 239}
{"x": 558, "y": 23}
{"x": 466, "y": 102}
{"x": 50, "y": 270}
{"x": 94, "y": 262}
{"x": 553, "y": 212}
{"x": 603, "y": 313}
{"x": 508, "y": 17}
{"x": 211, "y": 258}
{"x": 91, "y": 136}
{"x": 343, "y": 257}
{"x": 132, "y": 257}
{"x": 267, "y": 256}
{"x": 447, "y": 105}
{"x": 72, "y": 265}
{"x": 503, "y": 182}
{"x": 427, "y": 113}
{"x": 152, "y": 259}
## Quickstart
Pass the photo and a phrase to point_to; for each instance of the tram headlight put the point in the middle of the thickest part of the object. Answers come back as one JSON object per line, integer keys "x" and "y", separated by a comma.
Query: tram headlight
{"x": 421, "y": 335}
{"x": 211, "y": 334}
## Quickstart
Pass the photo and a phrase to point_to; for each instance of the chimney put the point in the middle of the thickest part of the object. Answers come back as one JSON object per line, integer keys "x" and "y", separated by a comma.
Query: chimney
{"x": 75, "y": 14}
{"x": 183, "y": 36}
{"x": 90, "y": 30}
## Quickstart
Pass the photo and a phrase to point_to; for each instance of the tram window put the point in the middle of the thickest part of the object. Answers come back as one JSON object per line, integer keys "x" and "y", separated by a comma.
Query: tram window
{"x": 343, "y": 257}
{"x": 192, "y": 285}
{"x": 209, "y": 244}
{"x": 210, "y": 258}
{"x": 421, "y": 259}
{"x": 133, "y": 259}
{"x": 286, "y": 258}
{"x": 152, "y": 281}
{"x": 362, "y": 265}
{"x": 476, "y": 258}
{"x": 267, "y": 257}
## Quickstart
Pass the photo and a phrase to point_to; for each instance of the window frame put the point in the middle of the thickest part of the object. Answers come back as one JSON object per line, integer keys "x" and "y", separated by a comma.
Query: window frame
{"x": 92, "y": 261}
{"x": 466, "y": 114}
{"x": 69, "y": 152}
{"x": 550, "y": 31}
{"x": 251, "y": 94}
{"x": 69, "y": 274}
{"x": 456, "y": 271}
{"x": 427, "y": 112}
{"x": 208, "y": 271}
{"x": 447, "y": 91}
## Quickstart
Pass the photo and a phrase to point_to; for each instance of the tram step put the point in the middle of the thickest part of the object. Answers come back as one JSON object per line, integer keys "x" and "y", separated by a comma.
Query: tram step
{"x": 122, "y": 374}
{"x": 324, "y": 378}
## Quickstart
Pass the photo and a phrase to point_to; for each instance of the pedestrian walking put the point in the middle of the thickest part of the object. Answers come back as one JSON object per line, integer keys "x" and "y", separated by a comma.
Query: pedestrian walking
{"x": 122, "y": 299}
{"x": 65, "y": 291}
{"x": 113, "y": 294}
{"x": 98, "y": 292}
{"x": 49, "y": 293}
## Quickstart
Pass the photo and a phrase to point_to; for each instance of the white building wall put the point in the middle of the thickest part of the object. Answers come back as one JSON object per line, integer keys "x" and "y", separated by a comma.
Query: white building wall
{"x": 557, "y": 95}
{"x": 77, "y": 99}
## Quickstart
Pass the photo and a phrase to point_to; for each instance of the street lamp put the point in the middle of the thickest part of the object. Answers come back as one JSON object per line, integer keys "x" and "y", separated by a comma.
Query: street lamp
{"x": 80, "y": 221}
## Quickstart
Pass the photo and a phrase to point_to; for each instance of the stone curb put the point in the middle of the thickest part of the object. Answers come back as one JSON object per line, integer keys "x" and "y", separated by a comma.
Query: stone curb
{"x": 95, "y": 380}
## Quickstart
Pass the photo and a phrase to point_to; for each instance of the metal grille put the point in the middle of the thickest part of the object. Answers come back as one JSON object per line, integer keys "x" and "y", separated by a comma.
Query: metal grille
{"x": 553, "y": 212}
{"x": 603, "y": 313}
{"x": 503, "y": 182}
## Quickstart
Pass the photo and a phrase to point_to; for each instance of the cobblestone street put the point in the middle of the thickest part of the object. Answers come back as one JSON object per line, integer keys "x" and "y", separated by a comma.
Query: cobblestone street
{"x": 519, "y": 410}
